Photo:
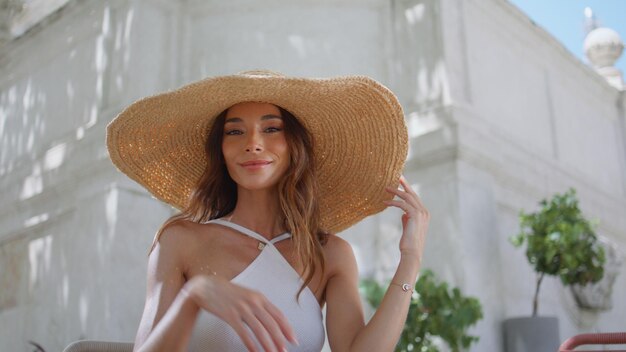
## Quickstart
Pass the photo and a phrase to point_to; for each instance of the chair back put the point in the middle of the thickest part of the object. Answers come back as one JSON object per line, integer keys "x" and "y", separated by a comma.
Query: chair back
{"x": 99, "y": 346}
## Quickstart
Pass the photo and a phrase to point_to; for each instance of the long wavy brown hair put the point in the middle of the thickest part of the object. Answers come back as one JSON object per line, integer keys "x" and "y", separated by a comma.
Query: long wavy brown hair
{"x": 215, "y": 194}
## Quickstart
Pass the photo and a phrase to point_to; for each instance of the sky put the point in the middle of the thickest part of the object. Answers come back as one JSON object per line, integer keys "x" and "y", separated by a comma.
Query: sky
{"x": 565, "y": 20}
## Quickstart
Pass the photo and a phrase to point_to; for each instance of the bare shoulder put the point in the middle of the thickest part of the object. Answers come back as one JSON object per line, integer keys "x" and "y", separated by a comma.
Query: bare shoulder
{"x": 178, "y": 239}
{"x": 183, "y": 237}
{"x": 338, "y": 254}
{"x": 177, "y": 235}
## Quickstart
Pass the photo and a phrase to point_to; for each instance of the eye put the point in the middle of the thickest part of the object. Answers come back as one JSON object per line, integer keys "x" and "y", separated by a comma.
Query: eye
{"x": 273, "y": 129}
{"x": 233, "y": 132}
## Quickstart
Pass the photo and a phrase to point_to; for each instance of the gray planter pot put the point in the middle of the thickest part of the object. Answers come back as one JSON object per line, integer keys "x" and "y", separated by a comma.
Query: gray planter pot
{"x": 531, "y": 334}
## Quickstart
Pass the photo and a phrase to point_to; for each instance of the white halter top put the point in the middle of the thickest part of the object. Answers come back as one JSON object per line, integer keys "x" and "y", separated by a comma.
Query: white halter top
{"x": 271, "y": 274}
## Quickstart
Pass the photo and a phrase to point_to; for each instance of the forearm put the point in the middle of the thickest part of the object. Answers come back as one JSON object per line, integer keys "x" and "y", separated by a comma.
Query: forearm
{"x": 384, "y": 328}
{"x": 173, "y": 331}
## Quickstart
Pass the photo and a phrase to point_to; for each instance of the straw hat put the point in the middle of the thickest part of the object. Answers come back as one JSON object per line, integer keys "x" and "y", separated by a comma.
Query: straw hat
{"x": 357, "y": 125}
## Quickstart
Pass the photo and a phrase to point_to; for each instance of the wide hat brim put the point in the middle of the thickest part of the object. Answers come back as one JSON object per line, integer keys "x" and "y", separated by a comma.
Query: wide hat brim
{"x": 357, "y": 124}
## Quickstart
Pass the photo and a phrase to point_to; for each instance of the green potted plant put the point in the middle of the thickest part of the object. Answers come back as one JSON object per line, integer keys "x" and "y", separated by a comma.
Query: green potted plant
{"x": 559, "y": 242}
{"x": 435, "y": 311}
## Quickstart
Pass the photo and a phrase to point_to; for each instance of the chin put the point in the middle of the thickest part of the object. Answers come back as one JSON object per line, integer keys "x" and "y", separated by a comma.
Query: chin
{"x": 259, "y": 185}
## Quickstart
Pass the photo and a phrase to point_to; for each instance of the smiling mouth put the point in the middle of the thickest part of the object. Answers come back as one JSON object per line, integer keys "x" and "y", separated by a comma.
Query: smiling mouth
{"x": 255, "y": 163}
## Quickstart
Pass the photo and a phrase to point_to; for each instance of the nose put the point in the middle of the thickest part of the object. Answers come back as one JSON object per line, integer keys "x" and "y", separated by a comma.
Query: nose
{"x": 254, "y": 142}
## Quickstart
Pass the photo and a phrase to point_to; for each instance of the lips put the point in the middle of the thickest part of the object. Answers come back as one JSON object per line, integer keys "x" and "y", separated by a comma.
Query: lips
{"x": 255, "y": 163}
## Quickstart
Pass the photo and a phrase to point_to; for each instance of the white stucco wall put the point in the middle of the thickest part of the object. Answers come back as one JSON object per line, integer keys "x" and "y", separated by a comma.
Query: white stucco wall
{"x": 74, "y": 232}
{"x": 500, "y": 116}
{"x": 531, "y": 120}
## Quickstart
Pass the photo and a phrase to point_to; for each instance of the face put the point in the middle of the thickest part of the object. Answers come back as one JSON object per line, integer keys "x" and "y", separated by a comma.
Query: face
{"x": 254, "y": 146}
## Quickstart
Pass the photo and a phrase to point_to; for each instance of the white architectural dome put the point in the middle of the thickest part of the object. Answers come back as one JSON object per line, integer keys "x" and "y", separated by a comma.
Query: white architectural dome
{"x": 603, "y": 46}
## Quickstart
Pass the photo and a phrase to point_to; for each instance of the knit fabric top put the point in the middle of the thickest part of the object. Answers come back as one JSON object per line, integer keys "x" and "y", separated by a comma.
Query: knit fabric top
{"x": 272, "y": 275}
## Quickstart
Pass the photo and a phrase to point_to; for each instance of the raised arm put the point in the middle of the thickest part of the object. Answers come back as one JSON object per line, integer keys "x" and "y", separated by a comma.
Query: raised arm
{"x": 344, "y": 316}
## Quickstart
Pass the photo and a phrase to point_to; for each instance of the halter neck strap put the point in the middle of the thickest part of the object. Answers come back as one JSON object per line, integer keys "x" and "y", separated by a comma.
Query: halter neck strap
{"x": 248, "y": 232}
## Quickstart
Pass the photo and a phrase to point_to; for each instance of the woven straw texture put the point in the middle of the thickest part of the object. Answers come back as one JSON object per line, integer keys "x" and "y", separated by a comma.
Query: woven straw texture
{"x": 357, "y": 124}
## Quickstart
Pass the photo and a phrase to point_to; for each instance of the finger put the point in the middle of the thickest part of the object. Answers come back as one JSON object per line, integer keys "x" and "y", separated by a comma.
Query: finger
{"x": 261, "y": 333}
{"x": 283, "y": 323}
{"x": 403, "y": 195}
{"x": 273, "y": 328}
{"x": 402, "y": 205}
{"x": 407, "y": 187}
{"x": 244, "y": 334}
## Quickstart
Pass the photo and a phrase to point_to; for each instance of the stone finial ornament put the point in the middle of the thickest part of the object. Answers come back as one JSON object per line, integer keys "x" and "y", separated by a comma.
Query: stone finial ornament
{"x": 591, "y": 22}
{"x": 603, "y": 46}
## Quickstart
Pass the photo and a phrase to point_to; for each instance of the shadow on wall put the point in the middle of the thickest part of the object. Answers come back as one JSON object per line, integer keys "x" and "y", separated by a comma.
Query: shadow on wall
{"x": 59, "y": 225}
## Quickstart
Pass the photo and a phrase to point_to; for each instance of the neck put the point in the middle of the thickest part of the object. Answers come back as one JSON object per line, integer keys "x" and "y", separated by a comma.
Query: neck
{"x": 259, "y": 211}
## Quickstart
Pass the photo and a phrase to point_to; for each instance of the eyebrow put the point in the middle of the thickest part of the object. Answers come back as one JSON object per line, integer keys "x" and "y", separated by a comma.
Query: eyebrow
{"x": 264, "y": 117}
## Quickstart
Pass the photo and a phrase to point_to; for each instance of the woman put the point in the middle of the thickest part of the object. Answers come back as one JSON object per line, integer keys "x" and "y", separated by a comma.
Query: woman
{"x": 251, "y": 259}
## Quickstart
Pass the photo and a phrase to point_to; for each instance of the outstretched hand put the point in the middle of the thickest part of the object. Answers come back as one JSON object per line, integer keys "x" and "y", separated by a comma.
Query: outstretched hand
{"x": 414, "y": 220}
{"x": 240, "y": 307}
